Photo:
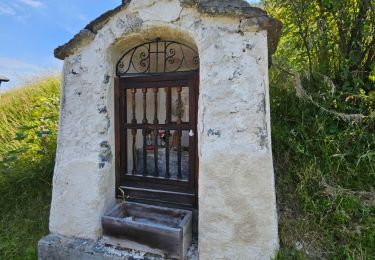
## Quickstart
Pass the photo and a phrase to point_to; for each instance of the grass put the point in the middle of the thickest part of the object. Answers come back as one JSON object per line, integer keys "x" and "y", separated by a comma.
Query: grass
{"x": 28, "y": 119}
{"x": 324, "y": 169}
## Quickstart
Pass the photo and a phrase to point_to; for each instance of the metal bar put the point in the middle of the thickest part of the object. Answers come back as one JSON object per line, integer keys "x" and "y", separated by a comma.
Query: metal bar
{"x": 179, "y": 105}
{"x": 172, "y": 126}
{"x": 124, "y": 132}
{"x": 179, "y": 133}
{"x": 156, "y": 77}
{"x": 165, "y": 57}
{"x": 179, "y": 155}
{"x": 144, "y": 131}
{"x": 168, "y": 119}
{"x": 156, "y": 132}
{"x": 123, "y": 66}
{"x": 134, "y": 131}
{"x": 134, "y": 119}
{"x": 152, "y": 84}
{"x": 134, "y": 151}
{"x": 157, "y": 56}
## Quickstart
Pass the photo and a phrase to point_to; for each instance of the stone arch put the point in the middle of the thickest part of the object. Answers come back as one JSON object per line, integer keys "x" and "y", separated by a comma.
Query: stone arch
{"x": 179, "y": 48}
{"x": 162, "y": 32}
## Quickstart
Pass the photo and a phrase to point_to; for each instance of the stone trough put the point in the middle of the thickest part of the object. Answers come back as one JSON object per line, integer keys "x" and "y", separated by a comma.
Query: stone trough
{"x": 154, "y": 229}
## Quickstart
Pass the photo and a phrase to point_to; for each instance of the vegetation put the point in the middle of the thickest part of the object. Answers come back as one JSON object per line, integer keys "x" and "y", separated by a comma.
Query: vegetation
{"x": 325, "y": 172}
{"x": 322, "y": 92}
{"x": 328, "y": 38}
{"x": 28, "y": 123}
{"x": 323, "y": 123}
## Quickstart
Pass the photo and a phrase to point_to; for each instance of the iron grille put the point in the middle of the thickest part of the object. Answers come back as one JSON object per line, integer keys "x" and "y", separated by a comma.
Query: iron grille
{"x": 158, "y": 57}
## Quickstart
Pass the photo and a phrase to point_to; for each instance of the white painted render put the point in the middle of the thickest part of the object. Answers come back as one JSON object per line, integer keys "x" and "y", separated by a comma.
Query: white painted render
{"x": 237, "y": 206}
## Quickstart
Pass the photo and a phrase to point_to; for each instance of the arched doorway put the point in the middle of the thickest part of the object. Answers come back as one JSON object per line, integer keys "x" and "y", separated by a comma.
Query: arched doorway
{"x": 156, "y": 124}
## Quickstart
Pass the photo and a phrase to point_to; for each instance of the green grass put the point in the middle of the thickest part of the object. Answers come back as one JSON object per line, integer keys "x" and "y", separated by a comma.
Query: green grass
{"x": 324, "y": 169}
{"x": 28, "y": 123}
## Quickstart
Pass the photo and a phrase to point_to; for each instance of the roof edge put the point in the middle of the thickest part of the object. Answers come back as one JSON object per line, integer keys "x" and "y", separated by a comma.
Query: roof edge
{"x": 232, "y": 8}
{"x": 3, "y": 78}
{"x": 253, "y": 17}
{"x": 88, "y": 33}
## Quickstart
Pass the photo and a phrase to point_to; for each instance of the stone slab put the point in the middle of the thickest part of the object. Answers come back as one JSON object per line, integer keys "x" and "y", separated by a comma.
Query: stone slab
{"x": 57, "y": 247}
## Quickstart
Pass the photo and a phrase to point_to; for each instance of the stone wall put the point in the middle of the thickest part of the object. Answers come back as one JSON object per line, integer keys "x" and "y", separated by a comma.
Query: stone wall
{"x": 237, "y": 208}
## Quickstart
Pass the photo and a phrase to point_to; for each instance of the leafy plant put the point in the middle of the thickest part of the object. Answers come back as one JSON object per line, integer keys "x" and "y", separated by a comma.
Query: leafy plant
{"x": 322, "y": 109}
{"x": 332, "y": 45}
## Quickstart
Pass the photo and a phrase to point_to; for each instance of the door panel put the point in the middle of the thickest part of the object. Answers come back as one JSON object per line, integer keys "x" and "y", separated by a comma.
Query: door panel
{"x": 156, "y": 130}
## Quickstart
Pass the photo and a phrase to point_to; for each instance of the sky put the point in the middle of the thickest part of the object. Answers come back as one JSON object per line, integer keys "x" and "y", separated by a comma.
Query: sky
{"x": 31, "y": 29}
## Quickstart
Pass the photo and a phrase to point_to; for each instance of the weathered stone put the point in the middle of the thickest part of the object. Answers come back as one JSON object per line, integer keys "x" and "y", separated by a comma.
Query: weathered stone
{"x": 84, "y": 37}
{"x": 272, "y": 26}
{"x": 236, "y": 8}
{"x": 102, "y": 20}
{"x": 55, "y": 247}
{"x": 232, "y": 8}
{"x": 237, "y": 206}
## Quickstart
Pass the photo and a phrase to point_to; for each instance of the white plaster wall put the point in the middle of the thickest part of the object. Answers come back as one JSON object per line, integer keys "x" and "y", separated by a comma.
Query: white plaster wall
{"x": 237, "y": 208}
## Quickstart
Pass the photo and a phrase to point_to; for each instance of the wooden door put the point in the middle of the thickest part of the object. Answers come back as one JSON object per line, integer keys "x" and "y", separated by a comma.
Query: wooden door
{"x": 156, "y": 138}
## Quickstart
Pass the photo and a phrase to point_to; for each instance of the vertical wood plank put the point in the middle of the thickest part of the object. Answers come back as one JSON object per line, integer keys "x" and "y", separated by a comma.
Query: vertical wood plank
{"x": 193, "y": 126}
{"x": 117, "y": 114}
{"x": 194, "y": 151}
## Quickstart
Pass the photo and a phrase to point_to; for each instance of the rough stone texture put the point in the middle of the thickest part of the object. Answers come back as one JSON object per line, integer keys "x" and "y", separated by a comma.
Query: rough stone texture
{"x": 84, "y": 37}
{"x": 237, "y": 218}
{"x": 258, "y": 20}
{"x": 54, "y": 247}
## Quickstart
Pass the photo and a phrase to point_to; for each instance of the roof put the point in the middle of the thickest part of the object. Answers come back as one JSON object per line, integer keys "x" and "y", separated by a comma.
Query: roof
{"x": 3, "y": 78}
{"x": 234, "y": 8}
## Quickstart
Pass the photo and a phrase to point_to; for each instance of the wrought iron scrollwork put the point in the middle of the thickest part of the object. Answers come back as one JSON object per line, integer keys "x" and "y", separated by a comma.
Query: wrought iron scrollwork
{"x": 158, "y": 57}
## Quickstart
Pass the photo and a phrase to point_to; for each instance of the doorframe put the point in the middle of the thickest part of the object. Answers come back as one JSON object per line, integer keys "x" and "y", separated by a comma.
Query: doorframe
{"x": 149, "y": 80}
